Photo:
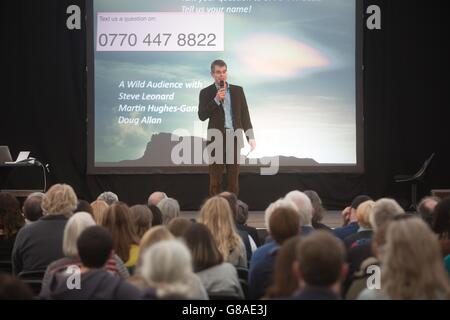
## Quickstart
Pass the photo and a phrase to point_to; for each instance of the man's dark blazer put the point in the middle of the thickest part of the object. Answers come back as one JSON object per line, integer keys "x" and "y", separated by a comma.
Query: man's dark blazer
{"x": 208, "y": 109}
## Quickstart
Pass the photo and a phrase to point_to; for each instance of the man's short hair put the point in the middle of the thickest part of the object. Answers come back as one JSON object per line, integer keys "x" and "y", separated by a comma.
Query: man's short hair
{"x": 303, "y": 204}
{"x": 219, "y": 63}
{"x": 109, "y": 197}
{"x": 284, "y": 224}
{"x": 155, "y": 197}
{"x": 170, "y": 209}
{"x": 94, "y": 246}
{"x": 358, "y": 200}
{"x": 32, "y": 206}
{"x": 424, "y": 210}
{"x": 383, "y": 211}
{"x": 242, "y": 212}
{"x": 320, "y": 257}
{"x": 232, "y": 201}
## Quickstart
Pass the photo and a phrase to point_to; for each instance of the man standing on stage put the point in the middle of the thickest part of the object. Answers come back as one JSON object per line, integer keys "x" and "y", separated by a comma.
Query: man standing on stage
{"x": 226, "y": 108}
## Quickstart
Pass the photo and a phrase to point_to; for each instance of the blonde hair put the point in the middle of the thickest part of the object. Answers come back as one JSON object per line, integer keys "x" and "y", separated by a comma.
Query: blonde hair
{"x": 99, "y": 208}
{"x": 412, "y": 266}
{"x": 59, "y": 199}
{"x": 167, "y": 267}
{"x": 363, "y": 213}
{"x": 74, "y": 226}
{"x": 152, "y": 236}
{"x": 216, "y": 215}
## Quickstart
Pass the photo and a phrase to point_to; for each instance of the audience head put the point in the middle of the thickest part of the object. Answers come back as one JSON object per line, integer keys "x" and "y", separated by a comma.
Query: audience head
{"x": 354, "y": 205}
{"x": 304, "y": 206}
{"x": 412, "y": 266}
{"x": 283, "y": 224}
{"x": 155, "y": 198}
{"x": 59, "y": 199}
{"x": 98, "y": 209}
{"x": 157, "y": 215}
{"x": 441, "y": 219}
{"x": 426, "y": 207}
{"x": 232, "y": 201}
{"x": 363, "y": 213}
{"x": 109, "y": 197}
{"x": 95, "y": 246}
{"x": 318, "y": 210}
{"x": 170, "y": 209}
{"x": 152, "y": 236}
{"x": 76, "y": 224}
{"x": 11, "y": 219}
{"x": 118, "y": 221}
{"x": 284, "y": 283}
{"x": 84, "y": 206}
{"x": 383, "y": 211}
{"x": 12, "y": 288}
{"x": 32, "y": 209}
{"x": 216, "y": 215}
{"x": 320, "y": 261}
{"x": 141, "y": 219}
{"x": 179, "y": 226}
{"x": 277, "y": 204}
{"x": 204, "y": 251}
{"x": 242, "y": 213}
{"x": 167, "y": 267}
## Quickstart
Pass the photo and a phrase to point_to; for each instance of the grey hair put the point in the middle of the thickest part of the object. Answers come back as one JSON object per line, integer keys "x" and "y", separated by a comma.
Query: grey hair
{"x": 76, "y": 224}
{"x": 167, "y": 267}
{"x": 36, "y": 194}
{"x": 109, "y": 197}
{"x": 303, "y": 204}
{"x": 169, "y": 209}
{"x": 384, "y": 210}
{"x": 284, "y": 203}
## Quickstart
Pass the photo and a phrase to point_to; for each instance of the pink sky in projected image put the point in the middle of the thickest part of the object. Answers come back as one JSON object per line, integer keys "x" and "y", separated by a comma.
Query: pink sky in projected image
{"x": 285, "y": 56}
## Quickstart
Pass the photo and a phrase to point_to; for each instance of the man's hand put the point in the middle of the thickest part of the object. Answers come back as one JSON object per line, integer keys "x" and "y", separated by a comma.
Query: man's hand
{"x": 220, "y": 95}
{"x": 346, "y": 215}
{"x": 252, "y": 143}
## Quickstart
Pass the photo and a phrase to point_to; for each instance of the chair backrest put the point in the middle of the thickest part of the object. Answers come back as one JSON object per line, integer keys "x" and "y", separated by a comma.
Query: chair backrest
{"x": 33, "y": 279}
{"x": 421, "y": 173}
{"x": 6, "y": 266}
{"x": 242, "y": 273}
{"x": 244, "y": 286}
{"x": 223, "y": 296}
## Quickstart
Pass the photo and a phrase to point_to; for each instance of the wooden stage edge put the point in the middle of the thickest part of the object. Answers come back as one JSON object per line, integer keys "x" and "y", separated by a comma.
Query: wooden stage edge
{"x": 256, "y": 218}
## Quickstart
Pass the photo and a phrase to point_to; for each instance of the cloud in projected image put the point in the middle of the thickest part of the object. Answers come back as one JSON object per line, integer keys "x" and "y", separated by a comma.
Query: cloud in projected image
{"x": 281, "y": 57}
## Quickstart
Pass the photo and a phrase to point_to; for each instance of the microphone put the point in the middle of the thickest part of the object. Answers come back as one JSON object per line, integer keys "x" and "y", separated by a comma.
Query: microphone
{"x": 221, "y": 85}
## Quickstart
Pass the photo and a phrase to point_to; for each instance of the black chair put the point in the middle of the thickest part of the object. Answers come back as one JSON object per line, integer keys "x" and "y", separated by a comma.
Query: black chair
{"x": 33, "y": 279}
{"x": 414, "y": 180}
{"x": 6, "y": 266}
{"x": 223, "y": 296}
{"x": 244, "y": 286}
{"x": 242, "y": 273}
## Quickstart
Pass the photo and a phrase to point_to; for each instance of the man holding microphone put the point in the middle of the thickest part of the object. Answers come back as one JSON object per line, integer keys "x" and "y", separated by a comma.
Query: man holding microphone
{"x": 226, "y": 108}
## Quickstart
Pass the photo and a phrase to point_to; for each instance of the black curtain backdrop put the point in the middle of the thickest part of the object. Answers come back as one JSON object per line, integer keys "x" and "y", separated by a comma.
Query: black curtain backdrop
{"x": 43, "y": 109}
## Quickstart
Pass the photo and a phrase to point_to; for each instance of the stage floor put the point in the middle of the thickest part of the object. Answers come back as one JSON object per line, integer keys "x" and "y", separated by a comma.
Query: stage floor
{"x": 256, "y": 218}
